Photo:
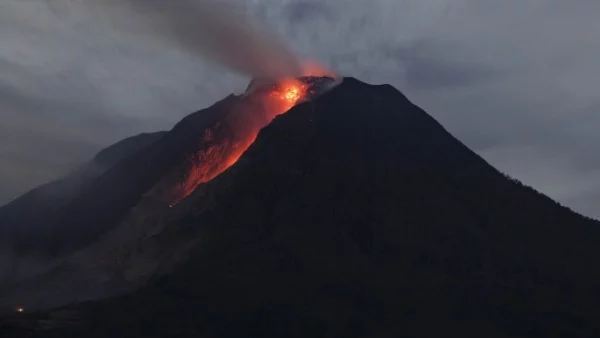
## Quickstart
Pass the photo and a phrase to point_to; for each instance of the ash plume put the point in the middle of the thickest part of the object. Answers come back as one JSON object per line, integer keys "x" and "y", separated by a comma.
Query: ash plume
{"x": 217, "y": 30}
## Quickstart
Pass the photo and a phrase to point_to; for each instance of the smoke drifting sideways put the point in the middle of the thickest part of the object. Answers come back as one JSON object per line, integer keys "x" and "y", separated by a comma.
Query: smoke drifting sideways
{"x": 220, "y": 31}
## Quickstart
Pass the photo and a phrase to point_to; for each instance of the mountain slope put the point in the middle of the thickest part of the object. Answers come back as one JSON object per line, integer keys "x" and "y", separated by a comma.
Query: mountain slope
{"x": 358, "y": 215}
{"x": 25, "y": 222}
{"x": 97, "y": 241}
{"x": 108, "y": 194}
{"x": 55, "y": 194}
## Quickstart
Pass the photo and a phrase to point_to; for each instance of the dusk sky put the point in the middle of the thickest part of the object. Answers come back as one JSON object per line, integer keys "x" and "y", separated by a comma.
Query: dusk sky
{"x": 515, "y": 80}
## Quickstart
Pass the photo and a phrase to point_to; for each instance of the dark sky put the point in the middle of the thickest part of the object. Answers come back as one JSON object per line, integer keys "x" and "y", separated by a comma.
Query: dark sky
{"x": 516, "y": 80}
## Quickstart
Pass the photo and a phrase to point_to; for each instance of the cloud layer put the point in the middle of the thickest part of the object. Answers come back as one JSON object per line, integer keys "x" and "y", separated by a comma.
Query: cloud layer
{"x": 515, "y": 80}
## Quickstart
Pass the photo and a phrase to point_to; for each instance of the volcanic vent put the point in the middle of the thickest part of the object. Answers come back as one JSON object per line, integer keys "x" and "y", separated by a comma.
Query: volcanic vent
{"x": 221, "y": 145}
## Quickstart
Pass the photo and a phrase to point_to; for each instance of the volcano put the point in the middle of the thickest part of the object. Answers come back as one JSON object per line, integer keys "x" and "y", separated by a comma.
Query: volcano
{"x": 354, "y": 214}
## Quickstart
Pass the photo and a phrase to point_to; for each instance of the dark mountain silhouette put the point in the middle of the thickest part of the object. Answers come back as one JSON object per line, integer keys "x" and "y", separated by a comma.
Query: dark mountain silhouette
{"x": 353, "y": 215}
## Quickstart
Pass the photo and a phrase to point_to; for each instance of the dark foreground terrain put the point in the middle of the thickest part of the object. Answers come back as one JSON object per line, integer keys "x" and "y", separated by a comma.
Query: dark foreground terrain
{"x": 358, "y": 215}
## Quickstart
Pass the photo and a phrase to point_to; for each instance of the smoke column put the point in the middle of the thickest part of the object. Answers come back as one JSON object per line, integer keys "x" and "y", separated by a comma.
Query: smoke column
{"x": 213, "y": 29}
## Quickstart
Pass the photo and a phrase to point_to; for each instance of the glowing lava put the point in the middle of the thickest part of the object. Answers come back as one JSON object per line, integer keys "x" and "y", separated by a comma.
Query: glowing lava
{"x": 286, "y": 95}
{"x": 223, "y": 144}
{"x": 292, "y": 94}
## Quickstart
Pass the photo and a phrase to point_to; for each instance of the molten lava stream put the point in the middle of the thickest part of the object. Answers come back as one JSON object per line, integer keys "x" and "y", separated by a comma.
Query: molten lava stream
{"x": 222, "y": 151}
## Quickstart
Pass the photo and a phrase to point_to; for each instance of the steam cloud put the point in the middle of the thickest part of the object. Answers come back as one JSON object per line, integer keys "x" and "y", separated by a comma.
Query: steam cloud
{"x": 213, "y": 29}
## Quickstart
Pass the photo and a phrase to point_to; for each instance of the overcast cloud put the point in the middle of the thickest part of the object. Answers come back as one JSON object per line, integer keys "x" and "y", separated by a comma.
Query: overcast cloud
{"x": 516, "y": 80}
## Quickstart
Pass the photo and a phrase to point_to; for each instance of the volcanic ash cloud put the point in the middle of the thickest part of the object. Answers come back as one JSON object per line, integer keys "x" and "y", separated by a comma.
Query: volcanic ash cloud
{"x": 218, "y": 30}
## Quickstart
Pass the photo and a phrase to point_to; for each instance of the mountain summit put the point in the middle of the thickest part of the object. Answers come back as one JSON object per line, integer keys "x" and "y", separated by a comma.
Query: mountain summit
{"x": 352, "y": 215}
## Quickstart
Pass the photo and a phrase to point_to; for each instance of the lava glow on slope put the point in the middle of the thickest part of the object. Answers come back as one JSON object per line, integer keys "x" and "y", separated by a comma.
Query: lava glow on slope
{"x": 223, "y": 144}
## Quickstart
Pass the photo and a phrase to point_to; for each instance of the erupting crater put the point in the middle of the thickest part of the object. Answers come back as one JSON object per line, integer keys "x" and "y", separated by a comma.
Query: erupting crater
{"x": 221, "y": 145}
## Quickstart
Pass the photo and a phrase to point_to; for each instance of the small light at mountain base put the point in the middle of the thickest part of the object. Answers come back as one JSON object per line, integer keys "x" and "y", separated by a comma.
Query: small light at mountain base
{"x": 20, "y": 309}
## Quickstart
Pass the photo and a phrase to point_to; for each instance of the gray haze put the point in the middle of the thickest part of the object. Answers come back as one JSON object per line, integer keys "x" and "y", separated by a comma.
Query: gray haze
{"x": 516, "y": 80}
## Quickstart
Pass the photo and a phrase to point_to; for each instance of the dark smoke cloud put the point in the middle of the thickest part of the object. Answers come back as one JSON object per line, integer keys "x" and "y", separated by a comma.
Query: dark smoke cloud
{"x": 218, "y": 30}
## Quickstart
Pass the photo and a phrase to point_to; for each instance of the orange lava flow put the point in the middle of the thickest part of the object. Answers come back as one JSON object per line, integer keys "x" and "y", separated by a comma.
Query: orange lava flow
{"x": 210, "y": 162}
{"x": 221, "y": 153}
